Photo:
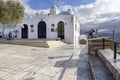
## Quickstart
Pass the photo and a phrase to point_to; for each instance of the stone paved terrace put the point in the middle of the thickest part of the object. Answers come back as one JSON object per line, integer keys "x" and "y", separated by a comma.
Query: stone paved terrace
{"x": 34, "y": 63}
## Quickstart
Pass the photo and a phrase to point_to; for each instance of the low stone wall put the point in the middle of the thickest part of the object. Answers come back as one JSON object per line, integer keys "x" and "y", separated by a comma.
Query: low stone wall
{"x": 98, "y": 43}
{"x": 112, "y": 64}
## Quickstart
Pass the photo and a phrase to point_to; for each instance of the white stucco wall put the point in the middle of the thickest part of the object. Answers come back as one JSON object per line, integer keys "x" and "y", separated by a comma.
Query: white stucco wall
{"x": 49, "y": 20}
{"x": 76, "y": 31}
{"x": 71, "y": 27}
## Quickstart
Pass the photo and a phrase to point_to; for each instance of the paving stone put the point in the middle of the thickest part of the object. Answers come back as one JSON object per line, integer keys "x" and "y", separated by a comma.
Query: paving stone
{"x": 10, "y": 71}
{"x": 99, "y": 70}
{"x": 70, "y": 74}
{"x": 35, "y": 63}
{"x": 49, "y": 71}
{"x": 37, "y": 77}
{"x": 2, "y": 74}
{"x": 18, "y": 75}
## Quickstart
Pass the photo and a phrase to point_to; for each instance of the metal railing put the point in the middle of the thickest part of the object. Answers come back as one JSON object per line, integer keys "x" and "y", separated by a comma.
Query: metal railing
{"x": 115, "y": 44}
{"x": 107, "y": 43}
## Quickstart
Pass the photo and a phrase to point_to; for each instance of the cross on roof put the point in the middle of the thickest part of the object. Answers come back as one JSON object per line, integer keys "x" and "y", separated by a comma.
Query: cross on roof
{"x": 54, "y": 2}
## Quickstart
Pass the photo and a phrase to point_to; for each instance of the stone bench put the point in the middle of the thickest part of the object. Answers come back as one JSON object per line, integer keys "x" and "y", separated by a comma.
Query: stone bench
{"x": 112, "y": 64}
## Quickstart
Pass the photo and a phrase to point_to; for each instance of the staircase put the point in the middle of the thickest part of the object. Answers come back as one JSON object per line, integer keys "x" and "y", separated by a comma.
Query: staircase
{"x": 34, "y": 43}
{"x": 98, "y": 66}
{"x": 98, "y": 69}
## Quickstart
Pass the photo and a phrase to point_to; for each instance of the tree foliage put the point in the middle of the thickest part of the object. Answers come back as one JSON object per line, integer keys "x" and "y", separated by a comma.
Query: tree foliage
{"x": 11, "y": 12}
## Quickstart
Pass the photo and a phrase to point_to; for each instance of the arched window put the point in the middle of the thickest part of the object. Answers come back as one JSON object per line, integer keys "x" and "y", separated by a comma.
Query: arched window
{"x": 41, "y": 29}
{"x": 24, "y": 30}
{"x": 61, "y": 29}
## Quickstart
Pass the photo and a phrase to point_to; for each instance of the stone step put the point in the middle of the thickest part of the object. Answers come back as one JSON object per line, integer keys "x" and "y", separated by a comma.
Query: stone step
{"x": 107, "y": 56}
{"x": 98, "y": 69}
{"x": 53, "y": 44}
{"x": 34, "y": 43}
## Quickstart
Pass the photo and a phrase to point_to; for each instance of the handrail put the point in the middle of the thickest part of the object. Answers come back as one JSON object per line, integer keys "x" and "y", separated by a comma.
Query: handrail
{"x": 115, "y": 47}
{"x": 113, "y": 41}
{"x": 103, "y": 40}
{"x": 99, "y": 38}
{"x": 106, "y": 38}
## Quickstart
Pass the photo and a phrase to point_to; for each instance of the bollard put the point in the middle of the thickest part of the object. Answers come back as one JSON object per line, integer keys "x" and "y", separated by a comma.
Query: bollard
{"x": 103, "y": 43}
{"x": 115, "y": 50}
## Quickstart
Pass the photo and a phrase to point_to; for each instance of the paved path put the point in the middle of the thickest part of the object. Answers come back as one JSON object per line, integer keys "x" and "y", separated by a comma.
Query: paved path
{"x": 83, "y": 70}
{"x": 33, "y": 63}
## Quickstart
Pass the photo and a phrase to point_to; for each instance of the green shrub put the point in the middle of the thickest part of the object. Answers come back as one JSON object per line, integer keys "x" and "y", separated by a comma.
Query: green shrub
{"x": 112, "y": 45}
{"x": 118, "y": 53}
{"x": 82, "y": 41}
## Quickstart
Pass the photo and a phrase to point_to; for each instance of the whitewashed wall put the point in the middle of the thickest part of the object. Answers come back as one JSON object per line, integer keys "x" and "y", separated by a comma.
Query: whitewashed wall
{"x": 49, "y": 20}
{"x": 71, "y": 34}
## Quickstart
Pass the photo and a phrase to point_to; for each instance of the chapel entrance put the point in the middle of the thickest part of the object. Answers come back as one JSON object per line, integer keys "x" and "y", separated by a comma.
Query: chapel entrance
{"x": 42, "y": 29}
{"x": 25, "y": 31}
{"x": 61, "y": 30}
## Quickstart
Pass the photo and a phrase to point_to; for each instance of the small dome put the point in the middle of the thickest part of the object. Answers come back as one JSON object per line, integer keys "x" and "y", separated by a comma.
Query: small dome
{"x": 54, "y": 7}
{"x": 65, "y": 13}
{"x": 69, "y": 10}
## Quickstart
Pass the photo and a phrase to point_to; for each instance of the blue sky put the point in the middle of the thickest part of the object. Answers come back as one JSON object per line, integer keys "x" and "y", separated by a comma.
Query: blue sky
{"x": 45, "y": 4}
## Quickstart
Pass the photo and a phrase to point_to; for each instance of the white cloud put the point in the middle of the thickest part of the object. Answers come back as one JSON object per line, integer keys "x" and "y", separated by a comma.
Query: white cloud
{"x": 99, "y": 11}
{"x": 65, "y": 7}
{"x": 103, "y": 30}
{"x": 90, "y": 15}
{"x": 29, "y": 10}
{"x": 100, "y": 14}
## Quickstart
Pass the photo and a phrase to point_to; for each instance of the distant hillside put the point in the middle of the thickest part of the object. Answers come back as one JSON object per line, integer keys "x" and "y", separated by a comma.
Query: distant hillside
{"x": 105, "y": 28}
{"x": 108, "y": 34}
{"x": 117, "y": 35}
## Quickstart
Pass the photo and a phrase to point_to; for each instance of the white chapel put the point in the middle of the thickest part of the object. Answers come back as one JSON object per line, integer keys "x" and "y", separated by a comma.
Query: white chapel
{"x": 63, "y": 26}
